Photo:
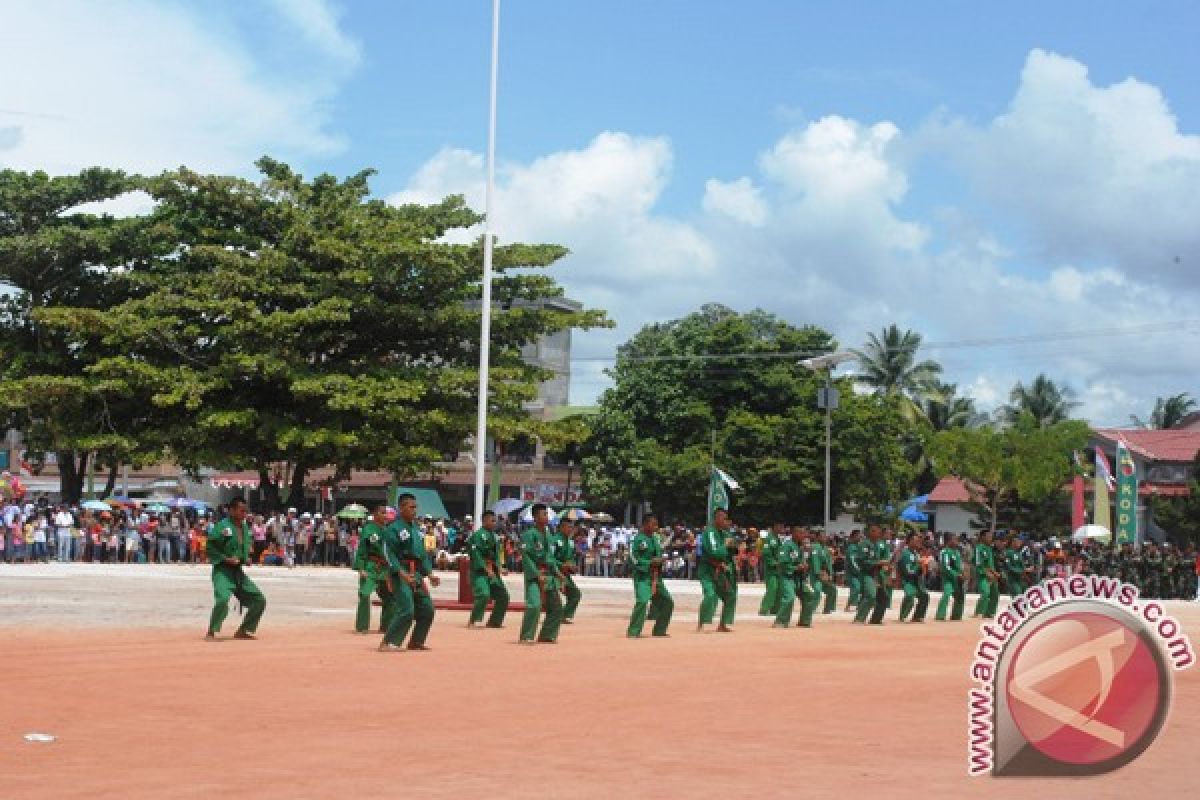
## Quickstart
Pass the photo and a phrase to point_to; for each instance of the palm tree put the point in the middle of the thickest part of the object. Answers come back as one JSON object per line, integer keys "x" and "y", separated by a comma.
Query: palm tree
{"x": 947, "y": 409}
{"x": 888, "y": 365}
{"x": 1044, "y": 400}
{"x": 1168, "y": 412}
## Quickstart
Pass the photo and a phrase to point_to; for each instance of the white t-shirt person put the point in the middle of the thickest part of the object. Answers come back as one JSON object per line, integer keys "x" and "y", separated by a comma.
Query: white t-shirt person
{"x": 63, "y": 522}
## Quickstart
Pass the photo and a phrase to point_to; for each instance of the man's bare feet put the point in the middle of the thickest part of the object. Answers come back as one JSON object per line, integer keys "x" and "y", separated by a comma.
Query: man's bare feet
{"x": 384, "y": 647}
{"x": 244, "y": 635}
{"x": 724, "y": 629}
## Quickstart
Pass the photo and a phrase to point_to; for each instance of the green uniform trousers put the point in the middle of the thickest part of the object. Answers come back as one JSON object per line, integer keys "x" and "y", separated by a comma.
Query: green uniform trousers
{"x": 787, "y": 601}
{"x": 951, "y": 588}
{"x": 659, "y": 600}
{"x": 866, "y": 598}
{"x": 373, "y": 584}
{"x": 989, "y": 597}
{"x": 770, "y": 601}
{"x": 484, "y": 589}
{"x": 228, "y": 581}
{"x": 717, "y": 586}
{"x": 829, "y": 590}
{"x": 854, "y": 589}
{"x": 1016, "y": 585}
{"x": 883, "y": 599}
{"x": 414, "y": 609}
{"x": 573, "y": 597}
{"x": 914, "y": 595}
{"x": 533, "y": 609}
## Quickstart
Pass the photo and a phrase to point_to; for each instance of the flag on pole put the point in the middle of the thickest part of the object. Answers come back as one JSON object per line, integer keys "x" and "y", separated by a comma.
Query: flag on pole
{"x": 719, "y": 487}
{"x": 1127, "y": 497}
{"x": 1101, "y": 512}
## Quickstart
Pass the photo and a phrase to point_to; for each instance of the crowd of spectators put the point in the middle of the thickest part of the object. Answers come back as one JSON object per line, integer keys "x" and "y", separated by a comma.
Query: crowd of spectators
{"x": 43, "y": 532}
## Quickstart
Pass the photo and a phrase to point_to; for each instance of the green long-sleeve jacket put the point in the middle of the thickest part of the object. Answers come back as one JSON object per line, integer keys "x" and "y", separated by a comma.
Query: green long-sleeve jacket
{"x": 910, "y": 566}
{"x": 1014, "y": 562}
{"x": 985, "y": 557}
{"x": 226, "y": 541}
{"x": 855, "y": 558}
{"x": 820, "y": 561}
{"x": 562, "y": 548}
{"x": 770, "y": 552}
{"x": 642, "y": 550}
{"x": 791, "y": 560}
{"x": 409, "y": 543}
{"x": 951, "y": 560}
{"x": 715, "y": 551}
{"x": 370, "y": 555}
{"x": 879, "y": 557}
{"x": 537, "y": 558}
{"x": 481, "y": 549}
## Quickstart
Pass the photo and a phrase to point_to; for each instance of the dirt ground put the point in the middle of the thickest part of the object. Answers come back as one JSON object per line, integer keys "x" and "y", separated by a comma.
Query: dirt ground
{"x": 111, "y": 660}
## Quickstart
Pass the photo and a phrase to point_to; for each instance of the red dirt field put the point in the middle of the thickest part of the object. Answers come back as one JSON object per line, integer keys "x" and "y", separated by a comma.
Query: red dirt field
{"x": 311, "y": 710}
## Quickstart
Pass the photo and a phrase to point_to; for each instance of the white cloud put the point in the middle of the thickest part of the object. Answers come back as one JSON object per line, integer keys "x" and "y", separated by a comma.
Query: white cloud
{"x": 1101, "y": 173}
{"x": 821, "y": 235}
{"x": 739, "y": 200}
{"x": 317, "y": 21}
{"x": 148, "y": 86}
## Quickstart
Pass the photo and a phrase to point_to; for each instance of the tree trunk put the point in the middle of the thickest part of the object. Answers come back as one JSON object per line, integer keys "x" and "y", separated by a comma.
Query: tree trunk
{"x": 66, "y": 475}
{"x": 110, "y": 484}
{"x": 71, "y": 475}
{"x": 296, "y": 489}
{"x": 270, "y": 490}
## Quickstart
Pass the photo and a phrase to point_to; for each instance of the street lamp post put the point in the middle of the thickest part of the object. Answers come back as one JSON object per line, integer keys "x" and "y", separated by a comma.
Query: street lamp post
{"x": 827, "y": 398}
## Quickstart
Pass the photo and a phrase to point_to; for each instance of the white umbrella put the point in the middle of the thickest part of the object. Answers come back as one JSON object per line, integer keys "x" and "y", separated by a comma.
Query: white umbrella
{"x": 507, "y": 505}
{"x": 1095, "y": 533}
{"x": 527, "y": 515}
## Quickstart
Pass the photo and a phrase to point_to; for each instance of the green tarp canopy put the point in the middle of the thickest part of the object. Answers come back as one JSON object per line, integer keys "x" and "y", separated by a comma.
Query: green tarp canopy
{"x": 429, "y": 502}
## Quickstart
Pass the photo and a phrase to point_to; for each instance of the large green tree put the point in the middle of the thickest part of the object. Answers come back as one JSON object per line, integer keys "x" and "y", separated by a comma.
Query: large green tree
{"x": 721, "y": 384}
{"x": 304, "y": 323}
{"x": 1022, "y": 462}
{"x": 53, "y": 254}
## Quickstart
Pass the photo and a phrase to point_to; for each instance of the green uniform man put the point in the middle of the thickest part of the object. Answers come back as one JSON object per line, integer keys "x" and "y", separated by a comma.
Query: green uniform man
{"x": 950, "y": 560}
{"x": 869, "y": 589}
{"x": 564, "y": 556}
{"x": 649, "y": 591}
{"x": 879, "y": 562}
{"x": 854, "y": 569}
{"x": 487, "y": 582}
{"x": 912, "y": 580}
{"x": 985, "y": 570}
{"x": 541, "y": 581}
{"x": 718, "y": 575}
{"x": 790, "y": 568}
{"x": 806, "y": 579}
{"x": 770, "y": 561}
{"x": 1016, "y": 571}
{"x": 374, "y": 577}
{"x": 228, "y": 551}
{"x": 821, "y": 574}
{"x": 1152, "y": 564}
{"x": 408, "y": 561}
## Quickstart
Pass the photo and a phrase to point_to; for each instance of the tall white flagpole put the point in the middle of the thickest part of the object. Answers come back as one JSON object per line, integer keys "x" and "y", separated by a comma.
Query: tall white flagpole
{"x": 485, "y": 332}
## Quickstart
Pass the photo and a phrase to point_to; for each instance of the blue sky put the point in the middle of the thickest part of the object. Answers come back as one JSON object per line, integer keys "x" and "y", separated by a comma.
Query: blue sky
{"x": 973, "y": 171}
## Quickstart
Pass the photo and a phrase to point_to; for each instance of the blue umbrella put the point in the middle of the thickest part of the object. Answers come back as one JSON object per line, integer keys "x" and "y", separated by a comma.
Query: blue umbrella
{"x": 913, "y": 514}
{"x": 96, "y": 505}
{"x": 183, "y": 502}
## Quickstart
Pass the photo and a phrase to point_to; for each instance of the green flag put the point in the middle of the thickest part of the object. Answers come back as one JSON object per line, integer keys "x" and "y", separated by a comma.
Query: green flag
{"x": 719, "y": 487}
{"x": 1127, "y": 496}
